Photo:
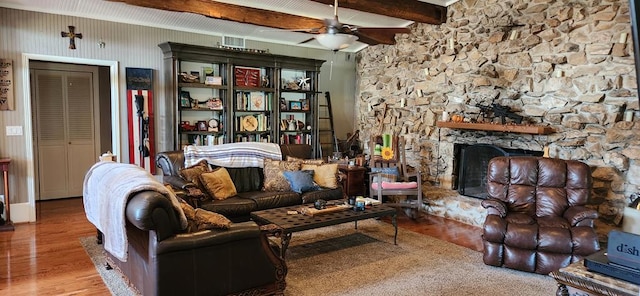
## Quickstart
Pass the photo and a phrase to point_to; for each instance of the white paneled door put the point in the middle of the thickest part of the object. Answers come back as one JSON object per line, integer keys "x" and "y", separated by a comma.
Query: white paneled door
{"x": 65, "y": 130}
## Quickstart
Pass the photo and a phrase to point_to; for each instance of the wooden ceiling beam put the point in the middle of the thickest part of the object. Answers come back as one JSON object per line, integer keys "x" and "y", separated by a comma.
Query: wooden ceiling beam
{"x": 405, "y": 9}
{"x": 373, "y": 36}
{"x": 412, "y": 10}
{"x": 242, "y": 14}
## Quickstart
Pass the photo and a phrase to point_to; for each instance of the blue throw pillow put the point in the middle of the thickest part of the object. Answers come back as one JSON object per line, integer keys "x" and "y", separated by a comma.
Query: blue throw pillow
{"x": 301, "y": 181}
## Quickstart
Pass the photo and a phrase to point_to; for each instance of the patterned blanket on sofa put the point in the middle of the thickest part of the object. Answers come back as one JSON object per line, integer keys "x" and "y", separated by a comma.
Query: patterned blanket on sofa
{"x": 233, "y": 155}
{"x": 106, "y": 190}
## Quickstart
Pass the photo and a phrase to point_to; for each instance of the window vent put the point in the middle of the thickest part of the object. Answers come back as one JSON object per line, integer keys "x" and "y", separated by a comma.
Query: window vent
{"x": 233, "y": 42}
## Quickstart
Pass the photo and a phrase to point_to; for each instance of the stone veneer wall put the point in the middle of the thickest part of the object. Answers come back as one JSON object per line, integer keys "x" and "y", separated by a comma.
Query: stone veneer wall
{"x": 557, "y": 63}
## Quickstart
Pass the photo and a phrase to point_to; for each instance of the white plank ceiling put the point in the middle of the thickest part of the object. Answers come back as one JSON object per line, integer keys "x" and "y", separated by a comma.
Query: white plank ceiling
{"x": 124, "y": 13}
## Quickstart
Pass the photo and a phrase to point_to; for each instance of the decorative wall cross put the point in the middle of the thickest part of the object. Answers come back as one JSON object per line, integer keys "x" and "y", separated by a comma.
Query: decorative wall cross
{"x": 72, "y": 36}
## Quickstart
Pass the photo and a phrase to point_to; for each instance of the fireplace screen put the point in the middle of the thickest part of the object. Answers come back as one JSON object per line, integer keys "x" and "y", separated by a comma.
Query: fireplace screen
{"x": 473, "y": 161}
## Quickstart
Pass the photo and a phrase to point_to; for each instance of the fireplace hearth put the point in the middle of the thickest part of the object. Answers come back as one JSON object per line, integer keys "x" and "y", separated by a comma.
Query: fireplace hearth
{"x": 471, "y": 162}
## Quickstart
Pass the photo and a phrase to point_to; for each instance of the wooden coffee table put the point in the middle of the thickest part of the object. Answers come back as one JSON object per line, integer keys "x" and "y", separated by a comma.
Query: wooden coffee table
{"x": 290, "y": 223}
{"x": 575, "y": 279}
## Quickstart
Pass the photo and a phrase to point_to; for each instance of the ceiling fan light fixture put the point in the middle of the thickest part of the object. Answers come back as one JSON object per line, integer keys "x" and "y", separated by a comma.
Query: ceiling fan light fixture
{"x": 336, "y": 41}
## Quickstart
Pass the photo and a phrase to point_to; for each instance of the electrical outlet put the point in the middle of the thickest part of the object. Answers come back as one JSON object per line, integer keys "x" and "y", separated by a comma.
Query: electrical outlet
{"x": 14, "y": 130}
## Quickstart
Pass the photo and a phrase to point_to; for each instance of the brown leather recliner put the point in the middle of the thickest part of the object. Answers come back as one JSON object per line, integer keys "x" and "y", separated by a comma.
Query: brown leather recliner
{"x": 537, "y": 220}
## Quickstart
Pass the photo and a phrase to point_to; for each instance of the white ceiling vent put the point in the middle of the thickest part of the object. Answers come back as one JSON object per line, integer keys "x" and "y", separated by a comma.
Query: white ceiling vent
{"x": 236, "y": 42}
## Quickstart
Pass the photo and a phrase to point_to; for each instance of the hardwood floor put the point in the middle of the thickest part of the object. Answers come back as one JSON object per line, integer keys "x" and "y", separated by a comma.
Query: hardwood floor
{"x": 46, "y": 258}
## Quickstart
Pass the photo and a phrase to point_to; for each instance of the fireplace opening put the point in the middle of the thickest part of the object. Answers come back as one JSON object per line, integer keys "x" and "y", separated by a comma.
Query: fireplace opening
{"x": 471, "y": 162}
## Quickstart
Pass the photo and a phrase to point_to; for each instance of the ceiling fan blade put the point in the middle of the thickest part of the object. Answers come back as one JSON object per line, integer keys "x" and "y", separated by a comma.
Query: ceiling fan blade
{"x": 385, "y": 30}
{"x": 310, "y": 31}
{"x": 307, "y": 41}
{"x": 373, "y": 36}
{"x": 365, "y": 39}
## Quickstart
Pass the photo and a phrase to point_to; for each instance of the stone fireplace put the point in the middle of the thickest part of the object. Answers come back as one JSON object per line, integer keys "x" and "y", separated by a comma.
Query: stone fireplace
{"x": 560, "y": 64}
{"x": 470, "y": 164}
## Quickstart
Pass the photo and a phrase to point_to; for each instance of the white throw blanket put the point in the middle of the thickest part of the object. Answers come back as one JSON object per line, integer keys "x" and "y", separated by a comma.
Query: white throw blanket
{"x": 107, "y": 188}
{"x": 233, "y": 155}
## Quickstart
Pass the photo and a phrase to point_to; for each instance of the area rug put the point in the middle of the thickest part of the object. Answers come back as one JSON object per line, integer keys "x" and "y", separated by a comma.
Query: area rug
{"x": 340, "y": 260}
{"x": 112, "y": 279}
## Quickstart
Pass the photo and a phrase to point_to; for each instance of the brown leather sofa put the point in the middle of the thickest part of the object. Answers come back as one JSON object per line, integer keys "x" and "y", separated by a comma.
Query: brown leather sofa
{"x": 248, "y": 182}
{"x": 537, "y": 220}
{"x": 164, "y": 261}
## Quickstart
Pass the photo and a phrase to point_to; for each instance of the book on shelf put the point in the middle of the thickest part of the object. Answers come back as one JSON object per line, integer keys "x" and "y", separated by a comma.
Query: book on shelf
{"x": 253, "y": 138}
{"x": 256, "y": 101}
{"x": 253, "y": 101}
{"x": 211, "y": 140}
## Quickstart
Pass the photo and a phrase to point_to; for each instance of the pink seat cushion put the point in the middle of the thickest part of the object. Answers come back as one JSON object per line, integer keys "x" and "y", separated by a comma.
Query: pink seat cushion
{"x": 395, "y": 185}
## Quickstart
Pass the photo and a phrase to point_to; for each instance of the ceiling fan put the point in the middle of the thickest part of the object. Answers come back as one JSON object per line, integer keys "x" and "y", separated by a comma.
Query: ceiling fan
{"x": 336, "y": 35}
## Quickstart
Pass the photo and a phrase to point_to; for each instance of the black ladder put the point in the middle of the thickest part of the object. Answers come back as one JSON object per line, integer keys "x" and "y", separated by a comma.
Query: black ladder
{"x": 326, "y": 132}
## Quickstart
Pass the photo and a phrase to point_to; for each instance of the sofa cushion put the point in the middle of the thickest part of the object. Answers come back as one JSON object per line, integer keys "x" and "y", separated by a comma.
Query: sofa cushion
{"x": 325, "y": 175}
{"x": 192, "y": 173}
{"x": 231, "y": 207}
{"x": 274, "y": 179}
{"x": 301, "y": 181}
{"x": 395, "y": 185}
{"x": 272, "y": 199}
{"x": 246, "y": 179}
{"x": 218, "y": 184}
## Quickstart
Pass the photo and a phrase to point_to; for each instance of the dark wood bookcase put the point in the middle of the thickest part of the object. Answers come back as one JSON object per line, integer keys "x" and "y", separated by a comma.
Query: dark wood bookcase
{"x": 240, "y": 95}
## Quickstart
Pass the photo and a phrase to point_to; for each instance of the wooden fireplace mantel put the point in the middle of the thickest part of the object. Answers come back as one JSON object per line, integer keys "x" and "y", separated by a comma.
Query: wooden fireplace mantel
{"x": 496, "y": 127}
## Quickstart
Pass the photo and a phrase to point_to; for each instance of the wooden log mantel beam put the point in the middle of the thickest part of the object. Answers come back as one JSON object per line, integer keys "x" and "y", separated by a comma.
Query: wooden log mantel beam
{"x": 412, "y": 10}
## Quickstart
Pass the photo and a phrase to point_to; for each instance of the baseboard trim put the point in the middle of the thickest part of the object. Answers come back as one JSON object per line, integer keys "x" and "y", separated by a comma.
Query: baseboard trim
{"x": 20, "y": 213}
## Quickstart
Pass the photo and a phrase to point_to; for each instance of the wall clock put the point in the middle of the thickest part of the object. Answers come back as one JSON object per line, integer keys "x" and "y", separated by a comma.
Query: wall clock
{"x": 249, "y": 123}
{"x": 213, "y": 125}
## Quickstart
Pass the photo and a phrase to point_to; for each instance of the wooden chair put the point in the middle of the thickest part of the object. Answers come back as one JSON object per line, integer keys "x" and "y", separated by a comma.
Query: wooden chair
{"x": 407, "y": 181}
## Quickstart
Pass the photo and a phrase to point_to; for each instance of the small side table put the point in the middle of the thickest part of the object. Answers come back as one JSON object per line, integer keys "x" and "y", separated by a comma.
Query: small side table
{"x": 575, "y": 279}
{"x": 4, "y": 165}
{"x": 354, "y": 182}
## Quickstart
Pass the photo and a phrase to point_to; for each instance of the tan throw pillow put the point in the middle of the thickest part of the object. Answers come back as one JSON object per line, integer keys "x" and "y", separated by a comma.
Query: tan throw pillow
{"x": 325, "y": 175}
{"x": 189, "y": 213}
{"x": 218, "y": 184}
{"x": 199, "y": 219}
{"x": 211, "y": 220}
{"x": 274, "y": 180}
{"x": 192, "y": 173}
{"x": 303, "y": 161}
